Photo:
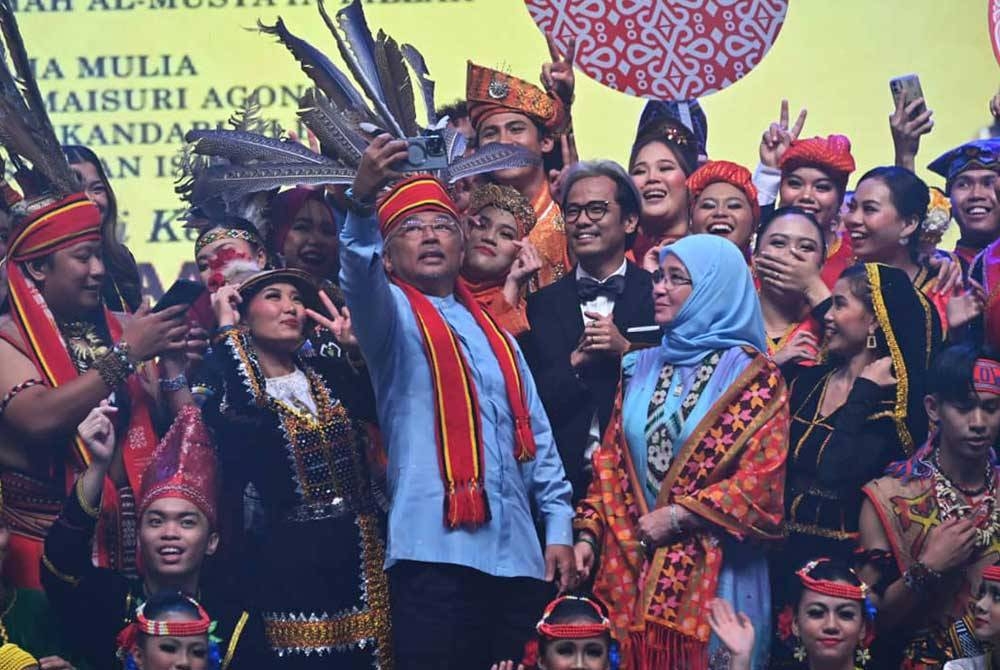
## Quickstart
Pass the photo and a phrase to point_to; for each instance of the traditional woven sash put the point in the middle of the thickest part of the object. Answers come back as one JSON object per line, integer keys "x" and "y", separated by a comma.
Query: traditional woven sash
{"x": 62, "y": 224}
{"x": 458, "y": 428}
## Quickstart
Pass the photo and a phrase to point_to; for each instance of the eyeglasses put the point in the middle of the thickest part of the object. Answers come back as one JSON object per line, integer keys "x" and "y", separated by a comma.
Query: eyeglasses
{"x": 414, "y": 229}
{"x": 595, "y": 209}
{"x": 673, "y": 281}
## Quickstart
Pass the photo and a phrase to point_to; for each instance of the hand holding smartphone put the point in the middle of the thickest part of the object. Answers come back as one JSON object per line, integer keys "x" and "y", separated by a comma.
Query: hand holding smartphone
{"x": 906, "y": 89}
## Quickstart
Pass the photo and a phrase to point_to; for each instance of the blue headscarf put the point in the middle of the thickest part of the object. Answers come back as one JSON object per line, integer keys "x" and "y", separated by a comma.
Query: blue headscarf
{"x": 723, "y": 310}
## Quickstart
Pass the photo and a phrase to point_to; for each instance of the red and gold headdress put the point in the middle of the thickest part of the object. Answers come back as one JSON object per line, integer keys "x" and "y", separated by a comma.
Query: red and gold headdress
{"x": 183, "y": 466}
{"x": 986, "y": 376}
{"x": 128, "y": 638}
{"x": 729, "y": 173}
{"x": 992, "y": 573}
{"x": 490, "y": 92}
{"x": 567, "y": 631}
{"x": 827, "y": 587}
{"x": 509, "y": 200}
{"x": 422, "y": 193}
{"x": 832, "y": 154}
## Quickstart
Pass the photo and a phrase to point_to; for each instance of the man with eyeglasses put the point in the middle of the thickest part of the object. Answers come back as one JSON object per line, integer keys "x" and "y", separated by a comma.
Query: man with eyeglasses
{"x": 470, "y": 450}
{"x": 580, "y": 324}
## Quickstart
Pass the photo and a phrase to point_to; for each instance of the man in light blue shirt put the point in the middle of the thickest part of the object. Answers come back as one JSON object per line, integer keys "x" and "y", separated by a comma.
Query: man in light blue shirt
{"x": 463, "y": 555}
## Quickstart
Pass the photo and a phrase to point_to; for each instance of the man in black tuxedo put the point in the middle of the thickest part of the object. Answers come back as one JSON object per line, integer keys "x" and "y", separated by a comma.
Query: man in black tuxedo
{"x": 580, "y": 324}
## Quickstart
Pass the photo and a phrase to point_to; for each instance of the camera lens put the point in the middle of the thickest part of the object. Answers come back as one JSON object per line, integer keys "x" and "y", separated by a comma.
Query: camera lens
{"x": 416, "y": 154}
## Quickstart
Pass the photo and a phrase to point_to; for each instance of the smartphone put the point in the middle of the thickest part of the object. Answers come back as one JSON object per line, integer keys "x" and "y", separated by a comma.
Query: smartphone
{"x": 183, "y": 292}
{"x": 644, "y": 335}
{"x": 907, "y": 89}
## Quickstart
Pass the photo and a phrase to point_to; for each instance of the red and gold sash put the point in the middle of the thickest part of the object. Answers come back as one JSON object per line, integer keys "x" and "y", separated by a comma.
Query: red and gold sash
{"x": 458, "y": 429}
{"x": 731, "y": 472}
{"x": 62, "y": 224}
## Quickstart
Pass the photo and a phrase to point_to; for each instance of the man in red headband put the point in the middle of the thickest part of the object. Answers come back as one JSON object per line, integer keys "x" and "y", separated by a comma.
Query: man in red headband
{"x": 177, "y": 533}
{"x": 63, "y": 353}
{"x": 932, "y": 525}
{"x": 510, "y": 110}
{"x": 469, "y": 446}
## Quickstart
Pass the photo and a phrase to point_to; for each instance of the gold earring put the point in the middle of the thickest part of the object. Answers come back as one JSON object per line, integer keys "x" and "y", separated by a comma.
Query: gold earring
{"x": 871, "y": 343}
{"x": 862, "y": 656}
{"x": 800, "y": 651}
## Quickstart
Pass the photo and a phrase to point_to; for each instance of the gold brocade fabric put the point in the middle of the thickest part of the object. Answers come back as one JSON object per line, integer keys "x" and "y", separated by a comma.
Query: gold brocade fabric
{"x": 549, "y": 236}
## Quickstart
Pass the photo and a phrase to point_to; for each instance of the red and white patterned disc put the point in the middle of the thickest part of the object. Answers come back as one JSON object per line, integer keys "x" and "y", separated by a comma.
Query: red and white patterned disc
{"x": 994, "y": 10}
{"x": 664, "y": 49}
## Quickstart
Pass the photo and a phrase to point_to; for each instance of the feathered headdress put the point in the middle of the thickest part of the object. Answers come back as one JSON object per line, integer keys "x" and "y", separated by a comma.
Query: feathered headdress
{"x": 26, "y": 133}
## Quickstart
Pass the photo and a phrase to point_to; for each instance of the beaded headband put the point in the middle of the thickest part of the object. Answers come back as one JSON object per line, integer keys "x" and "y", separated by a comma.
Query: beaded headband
{"x": 992, "y": 573}
{"x": 560, "y": 631}
{"x": 986, "y": 376}
{"x": 226, "y": 233}
{"x": 129, "y": 636}
{"x": 828, "y": 587}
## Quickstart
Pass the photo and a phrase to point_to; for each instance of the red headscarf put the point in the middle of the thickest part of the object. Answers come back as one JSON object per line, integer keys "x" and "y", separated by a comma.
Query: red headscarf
{"x": 729, "y": 173}
{"x": 831, "y": 154}
{"x": 283, "y": 209}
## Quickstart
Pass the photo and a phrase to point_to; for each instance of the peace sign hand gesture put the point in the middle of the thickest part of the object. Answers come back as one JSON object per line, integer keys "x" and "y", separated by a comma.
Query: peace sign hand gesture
{"x": 558, "y": 76}
{"x": 778, "y": 137}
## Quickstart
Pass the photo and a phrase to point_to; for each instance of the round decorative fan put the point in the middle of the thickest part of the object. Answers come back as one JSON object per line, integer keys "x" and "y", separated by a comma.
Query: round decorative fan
{"x": 664, "y": 49}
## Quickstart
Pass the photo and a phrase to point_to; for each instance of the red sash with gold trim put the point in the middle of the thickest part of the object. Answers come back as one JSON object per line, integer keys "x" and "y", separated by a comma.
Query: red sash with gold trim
{"x": 458, "y": 428}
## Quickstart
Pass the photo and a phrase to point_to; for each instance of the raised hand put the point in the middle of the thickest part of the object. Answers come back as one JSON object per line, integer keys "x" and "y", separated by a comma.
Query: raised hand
{"x": 526, "y": 265}
{"x": 803, "y": 346}
{"x": 375, "y": 169}
{"x": 950, "y": 545}
{"x": 879, "y": 372}
{"x": 907, "y": 127}
{"x": 567, "y": 142}
{"x": 558, "y": 75}
{"x": 98, "y": 432}
{"x": 966, "y": 305}
{"x": 224, "y": 305}
{"x": 602, "y": 335}
{"x": 149, "y": 334}
{"x": 734, "y": 630}
{"x": 778, "y": 136}
{"x": 337, "y": 321}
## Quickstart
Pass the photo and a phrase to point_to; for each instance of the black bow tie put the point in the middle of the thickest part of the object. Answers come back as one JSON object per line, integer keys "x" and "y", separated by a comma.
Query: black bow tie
{"x": 610, "y": 288}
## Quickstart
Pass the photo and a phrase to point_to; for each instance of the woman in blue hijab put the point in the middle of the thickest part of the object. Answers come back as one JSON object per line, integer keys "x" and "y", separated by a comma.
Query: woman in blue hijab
{"x": 691, "y": 473}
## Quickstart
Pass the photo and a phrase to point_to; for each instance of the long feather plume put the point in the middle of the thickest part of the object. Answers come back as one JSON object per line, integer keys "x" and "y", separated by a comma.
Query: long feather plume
{"x": 338, "y": 134}
{"x": 232, "y": 182}
{"x": 320, "y": 69}
{"x": 455, "y": 144}
{"x": 241, "y": 148}
{"x": 396, "y": 84}
{"x": 419, "y": 65}
{"x": 357, "y": 48}
{"x": 489, "y": 158}
{"x": 25, "y": 129}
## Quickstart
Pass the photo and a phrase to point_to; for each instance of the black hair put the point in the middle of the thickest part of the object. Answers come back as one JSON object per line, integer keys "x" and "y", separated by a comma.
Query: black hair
{"x": 861, "y": 288}
{"x": 233, "y": 223}
{"x": 683, "y": 145}
{"x": 950, "y": 377}
{"x": 118, "y": 260}
{"x": 910, "y": 196}
{"x": 831, "y": 570}
{"x": 454, "y": 111}
{"x": 792, "y": 210}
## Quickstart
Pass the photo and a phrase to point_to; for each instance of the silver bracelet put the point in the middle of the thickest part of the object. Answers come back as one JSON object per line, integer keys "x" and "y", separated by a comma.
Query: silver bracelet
{"x": 174, "y": 383}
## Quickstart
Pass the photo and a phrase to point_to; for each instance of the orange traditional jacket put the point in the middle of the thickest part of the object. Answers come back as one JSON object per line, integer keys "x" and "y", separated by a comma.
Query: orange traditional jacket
{"x": 549, "y": 236}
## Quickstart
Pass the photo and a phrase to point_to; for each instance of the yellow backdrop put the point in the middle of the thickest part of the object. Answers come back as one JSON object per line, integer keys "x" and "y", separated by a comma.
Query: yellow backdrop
{"x": 128, "y": 77}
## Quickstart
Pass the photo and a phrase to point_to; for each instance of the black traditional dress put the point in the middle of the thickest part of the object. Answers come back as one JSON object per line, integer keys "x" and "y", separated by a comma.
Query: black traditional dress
{"x": 316, "y": 567}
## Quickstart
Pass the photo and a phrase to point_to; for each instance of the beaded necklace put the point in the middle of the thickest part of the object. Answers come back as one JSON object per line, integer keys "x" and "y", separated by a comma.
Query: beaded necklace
{"x": 946, "y": 493}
